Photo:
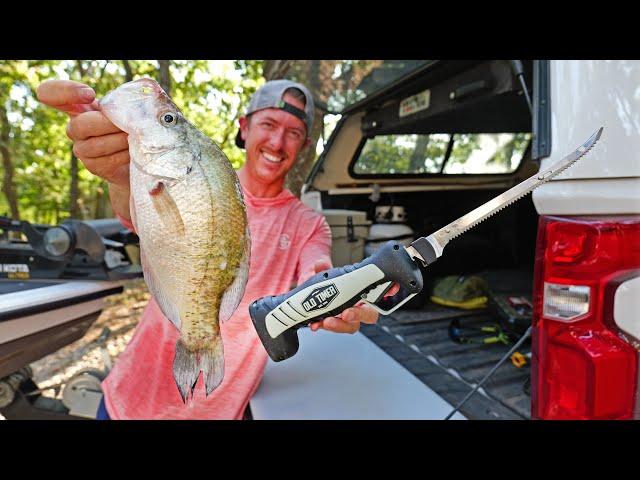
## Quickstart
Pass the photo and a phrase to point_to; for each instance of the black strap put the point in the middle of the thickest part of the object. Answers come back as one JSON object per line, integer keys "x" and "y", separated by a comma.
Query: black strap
{"x": 287, "y": 107}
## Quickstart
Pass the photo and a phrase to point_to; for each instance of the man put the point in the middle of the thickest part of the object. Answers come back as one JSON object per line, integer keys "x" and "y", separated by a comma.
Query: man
{"x": 290, "y": 243}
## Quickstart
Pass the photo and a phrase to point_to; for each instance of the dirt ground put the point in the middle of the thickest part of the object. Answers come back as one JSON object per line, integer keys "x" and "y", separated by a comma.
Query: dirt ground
{"x": 121, "y": 315}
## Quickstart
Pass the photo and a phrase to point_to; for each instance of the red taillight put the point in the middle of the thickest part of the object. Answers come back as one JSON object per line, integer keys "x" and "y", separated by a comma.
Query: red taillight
{"x": 581, "y": 367}
{"x": 569, "y": 242}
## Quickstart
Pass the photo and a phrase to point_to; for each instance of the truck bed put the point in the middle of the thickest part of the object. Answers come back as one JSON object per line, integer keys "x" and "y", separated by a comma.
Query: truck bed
{"x": 419, "y": 340}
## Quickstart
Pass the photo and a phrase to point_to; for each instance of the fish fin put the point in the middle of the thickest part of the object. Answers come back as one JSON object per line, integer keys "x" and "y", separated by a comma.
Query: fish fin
{"x": 168, "y": 308}
{"x": 233, "y": 294}
{"x": 166, "y": 207}
{"x": 185, "y": 370}
{"x": 212, "y": 365}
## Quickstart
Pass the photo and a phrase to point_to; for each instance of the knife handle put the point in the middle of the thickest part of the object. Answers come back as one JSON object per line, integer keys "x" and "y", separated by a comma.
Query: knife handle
{"x": 276, "y": 318}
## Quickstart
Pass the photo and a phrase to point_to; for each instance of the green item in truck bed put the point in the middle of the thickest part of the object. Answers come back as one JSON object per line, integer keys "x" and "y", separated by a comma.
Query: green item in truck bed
{"x": 461, "y": 291}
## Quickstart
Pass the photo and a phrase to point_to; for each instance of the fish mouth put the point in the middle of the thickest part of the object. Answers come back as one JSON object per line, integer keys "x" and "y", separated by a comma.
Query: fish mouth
{"x": 147, "y": 86}
{"x": 131, "y": 92}
{"x": 142, "y": 96}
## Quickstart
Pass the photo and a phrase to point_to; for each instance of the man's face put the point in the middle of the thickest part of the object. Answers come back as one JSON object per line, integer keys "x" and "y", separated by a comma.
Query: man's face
{"x": 273, "y": 138}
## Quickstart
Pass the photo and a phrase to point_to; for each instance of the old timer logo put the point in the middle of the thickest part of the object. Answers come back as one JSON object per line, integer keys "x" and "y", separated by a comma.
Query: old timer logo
{"x": 320, "y": 298}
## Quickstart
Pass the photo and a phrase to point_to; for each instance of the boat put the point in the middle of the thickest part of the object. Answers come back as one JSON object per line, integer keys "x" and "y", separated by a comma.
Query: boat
{"x": 54, "y": 282}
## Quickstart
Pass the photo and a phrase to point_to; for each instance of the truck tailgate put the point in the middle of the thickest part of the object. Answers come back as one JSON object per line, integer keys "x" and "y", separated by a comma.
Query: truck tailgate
{"x": 343, "y": 377}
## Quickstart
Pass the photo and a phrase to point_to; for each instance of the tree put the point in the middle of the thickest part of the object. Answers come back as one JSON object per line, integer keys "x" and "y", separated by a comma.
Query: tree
{"x": 416, "y": 162}
{"x": 41, "y": 180}
{"x": 128, "y": 76}
{"x": 164, "y": 76}
{"x": 275, "y": 69}
{"x": 7, "y": 163}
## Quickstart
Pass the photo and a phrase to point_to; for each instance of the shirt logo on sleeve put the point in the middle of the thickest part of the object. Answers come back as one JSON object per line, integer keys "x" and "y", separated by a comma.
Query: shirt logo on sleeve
{"x": 285, "y": 242}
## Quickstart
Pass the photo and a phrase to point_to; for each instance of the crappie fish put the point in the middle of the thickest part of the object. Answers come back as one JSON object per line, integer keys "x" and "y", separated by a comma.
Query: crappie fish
{"x": 188, "y": 210}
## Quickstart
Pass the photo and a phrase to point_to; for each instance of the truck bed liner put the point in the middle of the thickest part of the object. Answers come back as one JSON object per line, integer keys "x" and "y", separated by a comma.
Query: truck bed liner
{"x": 419, "y": 340}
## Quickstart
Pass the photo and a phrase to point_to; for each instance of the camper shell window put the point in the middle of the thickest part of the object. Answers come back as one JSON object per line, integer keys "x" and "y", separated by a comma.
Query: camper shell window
{"x": 438, "y": 153}
{"x": 462, "y": 118}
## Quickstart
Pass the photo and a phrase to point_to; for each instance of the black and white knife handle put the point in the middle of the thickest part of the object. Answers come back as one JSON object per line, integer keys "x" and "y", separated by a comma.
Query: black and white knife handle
{"x": 276, "y": 318}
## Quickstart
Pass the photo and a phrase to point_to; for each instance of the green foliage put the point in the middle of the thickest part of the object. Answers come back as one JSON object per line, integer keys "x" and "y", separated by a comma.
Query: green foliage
{"x": 40, "y": 150}
{"x": 214, "y": 100}
{"x": 403, "y": 154}
{"x": 504, "y": 155}
{"x": 417, "y": 154}
{"x": 212, "y": 95}
{"x": 496, "y": 153}
{"x": 463, "y": 146}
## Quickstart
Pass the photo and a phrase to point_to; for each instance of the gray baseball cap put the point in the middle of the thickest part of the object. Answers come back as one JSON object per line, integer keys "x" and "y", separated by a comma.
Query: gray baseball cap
{"x": 270, "y": 96}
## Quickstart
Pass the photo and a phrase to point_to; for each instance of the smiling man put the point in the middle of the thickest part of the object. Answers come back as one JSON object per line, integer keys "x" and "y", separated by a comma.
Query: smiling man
{"x": 290, "y": 243}
{"x": 273, "y": 132}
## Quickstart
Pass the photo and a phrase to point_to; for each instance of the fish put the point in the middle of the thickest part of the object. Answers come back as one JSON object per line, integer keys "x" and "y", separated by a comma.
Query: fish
{"x": 188, "y": 210}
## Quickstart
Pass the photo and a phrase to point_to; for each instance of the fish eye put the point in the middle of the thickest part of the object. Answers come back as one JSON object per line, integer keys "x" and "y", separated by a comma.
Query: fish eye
{"x": 168, "y": 118}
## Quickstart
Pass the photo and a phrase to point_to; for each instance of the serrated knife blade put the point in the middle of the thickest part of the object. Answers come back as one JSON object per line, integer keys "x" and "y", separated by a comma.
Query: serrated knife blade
{"x": 428, "y": 249}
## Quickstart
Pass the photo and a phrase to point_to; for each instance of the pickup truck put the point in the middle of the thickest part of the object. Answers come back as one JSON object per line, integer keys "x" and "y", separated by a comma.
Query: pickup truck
{"x": 428, "y": 141}
{"x": 423, "y": 143}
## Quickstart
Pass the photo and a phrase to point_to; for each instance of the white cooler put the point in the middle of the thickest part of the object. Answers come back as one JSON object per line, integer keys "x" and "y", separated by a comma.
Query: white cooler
{"x": 349, "y": 229}
{"x": 380, "y": 233}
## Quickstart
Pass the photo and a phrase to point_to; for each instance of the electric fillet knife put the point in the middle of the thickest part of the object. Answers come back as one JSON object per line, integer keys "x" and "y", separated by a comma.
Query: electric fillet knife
{"x": 276, "y": 318}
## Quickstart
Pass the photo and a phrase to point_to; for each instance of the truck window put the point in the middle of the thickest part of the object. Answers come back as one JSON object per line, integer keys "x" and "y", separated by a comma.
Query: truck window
{"x": 438, "y": 153}
{"x": 487, "y": 152}
{"x": 391, "y": 154}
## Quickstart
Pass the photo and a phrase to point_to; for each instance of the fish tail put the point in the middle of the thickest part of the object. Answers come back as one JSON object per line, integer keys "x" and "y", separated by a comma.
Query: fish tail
{"x": 185, "y": 369}
{"x": 187, "y": 365}
{"x": 212, "y": 365}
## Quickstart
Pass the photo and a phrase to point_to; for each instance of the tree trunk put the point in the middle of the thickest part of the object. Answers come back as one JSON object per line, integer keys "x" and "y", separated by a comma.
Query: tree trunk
{"x": 81, "y": 69}
{"x": 417, "y": 157}
{"x": 164, "y": 76}
{"x": 7, "y": 182}
{"x": 300, "y": 170}
{"x": 309, "y": 76}
{"x": 275, "y": 69}
{"x": 128, "y": 75}
{"x": 99, "y": 209}
{"x": 74, "y": 193}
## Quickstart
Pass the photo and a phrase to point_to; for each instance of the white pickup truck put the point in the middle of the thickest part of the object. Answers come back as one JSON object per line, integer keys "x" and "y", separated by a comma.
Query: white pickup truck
{"x": 429, "y": 141}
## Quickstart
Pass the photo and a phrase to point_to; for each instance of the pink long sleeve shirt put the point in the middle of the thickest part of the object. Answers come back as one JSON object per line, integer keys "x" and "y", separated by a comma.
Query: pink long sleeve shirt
{"x": 287, "y": 238}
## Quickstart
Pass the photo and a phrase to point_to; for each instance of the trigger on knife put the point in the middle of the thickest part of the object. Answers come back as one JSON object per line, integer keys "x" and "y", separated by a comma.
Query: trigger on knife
{"x": 378, "y": 292}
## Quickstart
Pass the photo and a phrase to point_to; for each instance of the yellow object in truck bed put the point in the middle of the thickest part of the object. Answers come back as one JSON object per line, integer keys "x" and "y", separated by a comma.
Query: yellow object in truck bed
{"x": 479, "y": 302}
{"x": 461, "y": 291}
